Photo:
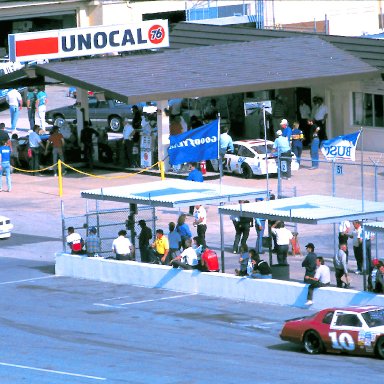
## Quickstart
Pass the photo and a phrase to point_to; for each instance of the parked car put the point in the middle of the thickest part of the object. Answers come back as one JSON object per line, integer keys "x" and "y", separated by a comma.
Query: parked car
{"x": 249, "y": 159}
{"x": 5, "y": 227}
{"x": 109, "y": 113}
{"x": 354, "y": 330}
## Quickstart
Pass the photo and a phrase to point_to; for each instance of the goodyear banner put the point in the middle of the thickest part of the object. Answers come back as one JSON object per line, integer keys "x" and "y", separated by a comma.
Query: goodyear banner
{"x": 195, "y": 145}
{"x": 341, "y": 147}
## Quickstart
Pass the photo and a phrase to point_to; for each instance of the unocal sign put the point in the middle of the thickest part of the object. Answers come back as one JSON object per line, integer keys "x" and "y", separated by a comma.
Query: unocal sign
{"x": 72, "y": 42}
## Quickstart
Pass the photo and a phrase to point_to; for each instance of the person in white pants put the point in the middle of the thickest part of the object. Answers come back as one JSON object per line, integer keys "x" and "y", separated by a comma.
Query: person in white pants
{"x": 41, "y": 106}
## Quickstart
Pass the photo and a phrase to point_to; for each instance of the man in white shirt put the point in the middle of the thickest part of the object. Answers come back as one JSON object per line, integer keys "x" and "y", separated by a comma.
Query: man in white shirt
{"x": 322, "y": 278}
{"x": 15, "y": 103}
{"x": 320, "y": 115}
{"x": 283, "y": 239}
{"x": 74, "y": 241}
{"x": 200, "y": 215}
{"x": 357, "y": 242}
{"x": 122, "y": 247}
{"x": 187, "y": 259}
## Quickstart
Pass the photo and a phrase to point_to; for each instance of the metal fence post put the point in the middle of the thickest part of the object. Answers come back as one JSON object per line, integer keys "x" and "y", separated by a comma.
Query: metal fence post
{"x": 62, "y": 223}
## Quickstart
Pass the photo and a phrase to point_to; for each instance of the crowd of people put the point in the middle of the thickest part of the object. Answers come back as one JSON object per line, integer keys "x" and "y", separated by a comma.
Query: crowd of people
{"x": 180, "y": 249}
{"x": 177, "y": 249}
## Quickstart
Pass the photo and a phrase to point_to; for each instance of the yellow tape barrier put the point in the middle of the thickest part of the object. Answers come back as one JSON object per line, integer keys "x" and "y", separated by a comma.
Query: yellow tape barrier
{"x": 60, "y": 164}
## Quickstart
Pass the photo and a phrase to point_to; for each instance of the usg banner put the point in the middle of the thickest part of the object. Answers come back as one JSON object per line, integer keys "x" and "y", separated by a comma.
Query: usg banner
{"x": 73, "y": 42}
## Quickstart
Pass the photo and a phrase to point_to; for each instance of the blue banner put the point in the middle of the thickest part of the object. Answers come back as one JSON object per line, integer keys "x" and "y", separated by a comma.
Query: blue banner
{"x": 341, "y": 147}
{"x": 195, "y": 145}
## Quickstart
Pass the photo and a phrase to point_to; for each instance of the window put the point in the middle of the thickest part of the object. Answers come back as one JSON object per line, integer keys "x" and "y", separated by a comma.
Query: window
{"x": 328, "y": 318}
{"x": 348, "y": 320}
{"x": 245, "y": 152}
{"x": 368, "y": 109}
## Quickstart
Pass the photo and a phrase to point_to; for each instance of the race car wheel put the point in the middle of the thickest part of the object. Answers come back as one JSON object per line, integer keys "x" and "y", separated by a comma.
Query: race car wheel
{"x": 313, "y": 343}
{"x": 380, "y": 348}
{"x": 247, "y": 171}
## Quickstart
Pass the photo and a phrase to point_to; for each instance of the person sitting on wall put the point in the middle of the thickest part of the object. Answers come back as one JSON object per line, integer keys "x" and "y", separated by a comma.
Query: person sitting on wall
{"x": 187, "y": 259}
{"x": 261, "y": 269}
{"x": 122, "y": 247}
{"x": 160, "y": 249}
{"x": 75, "y": 241}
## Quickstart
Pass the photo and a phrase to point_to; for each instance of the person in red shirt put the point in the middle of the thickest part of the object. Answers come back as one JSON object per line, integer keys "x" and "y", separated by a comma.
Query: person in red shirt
{"x": 209, "y": 261}
{"x": 56, "y": 139}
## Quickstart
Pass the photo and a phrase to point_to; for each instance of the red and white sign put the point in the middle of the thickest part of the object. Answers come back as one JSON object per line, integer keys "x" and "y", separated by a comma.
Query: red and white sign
{"x": 73, "y": 42}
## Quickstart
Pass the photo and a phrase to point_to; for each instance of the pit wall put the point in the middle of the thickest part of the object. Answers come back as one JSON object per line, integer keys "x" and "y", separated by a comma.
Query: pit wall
{"x": 213, "y": 284}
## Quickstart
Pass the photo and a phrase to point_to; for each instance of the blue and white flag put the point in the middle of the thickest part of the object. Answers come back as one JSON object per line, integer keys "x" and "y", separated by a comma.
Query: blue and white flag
{"x": 341, "y": 147}
{"x": 195, "y": 145}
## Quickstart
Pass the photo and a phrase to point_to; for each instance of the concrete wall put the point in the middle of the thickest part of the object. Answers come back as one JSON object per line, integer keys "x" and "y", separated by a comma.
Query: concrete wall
{"x": 210, "y": 284}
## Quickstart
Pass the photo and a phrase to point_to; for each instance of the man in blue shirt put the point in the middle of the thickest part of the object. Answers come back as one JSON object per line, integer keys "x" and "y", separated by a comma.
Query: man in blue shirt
{"x": 283, "y": 149}
{"x": 5, "y": 165}
{"x": 226, "y": 143}
{"x": 194, "y": 173}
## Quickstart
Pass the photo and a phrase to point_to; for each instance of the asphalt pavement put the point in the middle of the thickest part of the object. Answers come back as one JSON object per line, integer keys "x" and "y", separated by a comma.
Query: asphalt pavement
{"x": 73, "y": 331}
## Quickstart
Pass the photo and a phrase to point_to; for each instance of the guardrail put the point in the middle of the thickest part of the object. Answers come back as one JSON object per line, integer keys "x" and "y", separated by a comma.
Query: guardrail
{"x": 220, "y": 285}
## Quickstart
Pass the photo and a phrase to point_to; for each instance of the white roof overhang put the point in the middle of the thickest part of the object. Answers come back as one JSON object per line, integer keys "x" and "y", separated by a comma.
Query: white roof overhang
{"x": 311, "y": 209}
{"x": 374, "y": 227}
{"x": 174, "y": 193}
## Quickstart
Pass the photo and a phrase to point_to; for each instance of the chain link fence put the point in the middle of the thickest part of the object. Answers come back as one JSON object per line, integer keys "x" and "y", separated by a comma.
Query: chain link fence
{"x": 109, "y": 220}
{"x": 334, "y": 178}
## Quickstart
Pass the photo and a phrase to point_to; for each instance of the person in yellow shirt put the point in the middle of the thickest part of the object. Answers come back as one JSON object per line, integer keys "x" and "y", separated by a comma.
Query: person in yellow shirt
{"x": 160, "y": 249}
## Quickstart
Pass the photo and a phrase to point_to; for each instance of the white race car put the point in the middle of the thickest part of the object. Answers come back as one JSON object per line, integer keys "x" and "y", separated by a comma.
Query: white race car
{"x": 5, "y": 227}
{"x": 248, "y": 159}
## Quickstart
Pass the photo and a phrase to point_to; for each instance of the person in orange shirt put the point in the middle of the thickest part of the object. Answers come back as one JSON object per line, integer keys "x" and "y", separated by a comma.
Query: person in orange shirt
{"x": 56, "y": 139}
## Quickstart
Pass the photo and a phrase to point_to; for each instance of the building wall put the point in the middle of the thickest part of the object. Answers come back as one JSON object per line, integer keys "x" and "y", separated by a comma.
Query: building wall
{"x": 346, "y": 18}
{"x": 341, "y": 112}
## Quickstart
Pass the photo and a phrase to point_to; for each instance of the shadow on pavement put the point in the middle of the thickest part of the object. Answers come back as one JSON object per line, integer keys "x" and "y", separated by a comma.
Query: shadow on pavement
{"x": 48, "y": 269}
{"x": 21, "y": 239}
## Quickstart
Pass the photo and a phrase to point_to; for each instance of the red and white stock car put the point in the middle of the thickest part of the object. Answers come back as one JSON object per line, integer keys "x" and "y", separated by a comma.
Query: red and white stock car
{"x": 352, "y": 330}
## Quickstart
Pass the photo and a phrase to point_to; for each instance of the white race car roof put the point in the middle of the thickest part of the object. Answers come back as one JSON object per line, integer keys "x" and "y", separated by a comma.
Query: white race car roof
{"x": 252, "y": 142}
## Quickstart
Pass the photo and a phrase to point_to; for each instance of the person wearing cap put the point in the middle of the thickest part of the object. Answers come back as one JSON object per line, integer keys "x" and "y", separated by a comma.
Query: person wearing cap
{"x": 341, "y": 267}
{"x": 315, "y": 146}
{"x": 144, "y": 237}
{"x": 286, "y": 129}
{"x": 309, "y": 263}
{"x": 92, "y": 243}
{"x": 282, "y": 147}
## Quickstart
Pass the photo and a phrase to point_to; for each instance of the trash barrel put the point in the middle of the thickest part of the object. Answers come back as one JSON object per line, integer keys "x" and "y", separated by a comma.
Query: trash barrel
{"x": 280, "y": 271}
